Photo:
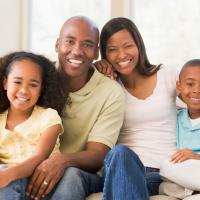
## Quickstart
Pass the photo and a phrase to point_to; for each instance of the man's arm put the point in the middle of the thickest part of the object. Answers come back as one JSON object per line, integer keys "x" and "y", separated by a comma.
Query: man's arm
{"x": 53, "y": 168}
{"x": 91, "y": 159}
{"x": 102, "y": 137}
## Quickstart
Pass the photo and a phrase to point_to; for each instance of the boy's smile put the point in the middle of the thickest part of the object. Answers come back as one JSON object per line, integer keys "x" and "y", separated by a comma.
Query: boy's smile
{"x": 189, "y": 87}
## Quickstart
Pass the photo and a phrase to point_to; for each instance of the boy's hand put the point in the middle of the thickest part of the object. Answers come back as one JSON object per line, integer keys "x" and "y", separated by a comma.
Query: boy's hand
{"x": 104, "y": 67}
{"x": 184, "y": 154}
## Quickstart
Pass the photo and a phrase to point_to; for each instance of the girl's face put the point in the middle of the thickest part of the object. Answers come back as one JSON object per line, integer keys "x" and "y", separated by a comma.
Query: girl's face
{"x": 122, "y": 52}
{"x": 23, "y": 85}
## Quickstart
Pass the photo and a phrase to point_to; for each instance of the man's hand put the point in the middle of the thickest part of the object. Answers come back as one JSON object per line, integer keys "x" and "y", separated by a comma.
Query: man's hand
{"x": 46, "y": 176}
{"x": 183, "y": 154}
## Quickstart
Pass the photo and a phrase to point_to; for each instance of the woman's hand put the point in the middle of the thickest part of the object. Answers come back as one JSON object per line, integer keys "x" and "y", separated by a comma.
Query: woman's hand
{"x": 104, "y": 67}
{"x": 184, "y": 154}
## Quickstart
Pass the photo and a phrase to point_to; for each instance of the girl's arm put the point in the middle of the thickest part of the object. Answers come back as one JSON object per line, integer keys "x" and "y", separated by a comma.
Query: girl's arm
{"x": 43, "y": 150}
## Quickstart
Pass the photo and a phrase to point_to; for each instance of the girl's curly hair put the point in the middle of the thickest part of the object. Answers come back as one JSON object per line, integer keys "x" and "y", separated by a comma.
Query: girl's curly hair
{"x": 52, "y": 95}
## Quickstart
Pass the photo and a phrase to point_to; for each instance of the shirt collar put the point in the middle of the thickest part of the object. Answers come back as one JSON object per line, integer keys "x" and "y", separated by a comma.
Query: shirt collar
{"x": 90, "y": 85}
{"x": 186, "y": 121}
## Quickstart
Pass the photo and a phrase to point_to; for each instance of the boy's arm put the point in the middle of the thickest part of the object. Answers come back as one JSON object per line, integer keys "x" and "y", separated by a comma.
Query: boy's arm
{"x": 184, "y": 154}
{"x": 43, "y": 149}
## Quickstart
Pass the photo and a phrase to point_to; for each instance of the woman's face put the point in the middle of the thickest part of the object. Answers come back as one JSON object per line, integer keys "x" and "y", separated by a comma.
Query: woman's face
{"x": 122, "y": 52}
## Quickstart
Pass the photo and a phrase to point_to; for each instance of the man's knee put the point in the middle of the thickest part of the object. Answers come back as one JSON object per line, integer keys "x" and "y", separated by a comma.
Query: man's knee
{"x": 70, "y": 186}
{"x": 72, "y": 177}
{"x": 72, "y": 173}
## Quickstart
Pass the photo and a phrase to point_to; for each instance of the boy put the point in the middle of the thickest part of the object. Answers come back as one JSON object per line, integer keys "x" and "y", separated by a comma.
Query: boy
{"x": 185, "y": 159}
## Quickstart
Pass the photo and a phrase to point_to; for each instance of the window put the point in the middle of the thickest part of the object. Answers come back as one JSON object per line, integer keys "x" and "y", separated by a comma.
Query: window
{"x": 47, "y": 17}
{"x": 170, "y": 29}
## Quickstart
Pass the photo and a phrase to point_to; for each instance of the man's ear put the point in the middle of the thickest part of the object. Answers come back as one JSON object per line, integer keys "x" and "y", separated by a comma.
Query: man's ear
{"x": 96, "y": 54}
{"x": 57, "y": 45}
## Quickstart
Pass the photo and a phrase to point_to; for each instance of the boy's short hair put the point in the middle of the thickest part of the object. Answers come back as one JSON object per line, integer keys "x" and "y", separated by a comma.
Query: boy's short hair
{"x": 190, "y": 63}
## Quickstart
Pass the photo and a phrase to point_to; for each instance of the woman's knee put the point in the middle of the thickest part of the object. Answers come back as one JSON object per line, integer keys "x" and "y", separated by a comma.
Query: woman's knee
{"x": 121, "y": 150}
{"x": 122, "y": 154}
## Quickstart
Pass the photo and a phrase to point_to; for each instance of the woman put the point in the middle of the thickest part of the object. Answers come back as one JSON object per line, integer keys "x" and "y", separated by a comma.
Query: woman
{"x": 148, "y": 132}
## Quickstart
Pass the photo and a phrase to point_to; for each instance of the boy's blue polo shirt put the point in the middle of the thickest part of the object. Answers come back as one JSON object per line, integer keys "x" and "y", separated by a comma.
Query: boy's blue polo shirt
{"x": 187, "y": 136}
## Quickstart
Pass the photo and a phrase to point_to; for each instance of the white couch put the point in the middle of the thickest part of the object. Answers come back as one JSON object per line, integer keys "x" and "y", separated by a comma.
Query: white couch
{"x": 98, "y": 196}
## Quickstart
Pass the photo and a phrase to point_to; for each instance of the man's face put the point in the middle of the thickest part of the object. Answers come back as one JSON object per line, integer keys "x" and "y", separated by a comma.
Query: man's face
{"x": 77, "y": 47}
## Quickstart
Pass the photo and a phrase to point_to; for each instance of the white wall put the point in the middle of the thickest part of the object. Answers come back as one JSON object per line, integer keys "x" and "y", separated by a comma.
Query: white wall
{"x": 10, "y": 34}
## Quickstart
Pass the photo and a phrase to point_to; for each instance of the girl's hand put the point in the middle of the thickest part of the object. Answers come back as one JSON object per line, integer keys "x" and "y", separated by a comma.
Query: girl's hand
{"x": 184, "y": 154}
{"x": 5, "y": 178}
{"x": 104, "y": 67}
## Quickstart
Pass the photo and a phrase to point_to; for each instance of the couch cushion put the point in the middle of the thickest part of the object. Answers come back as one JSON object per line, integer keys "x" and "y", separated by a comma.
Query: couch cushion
{"x": 98, "y": 196}
{"x": 162, "y": 197}
{"x": 95, "y": 196}
{"x": 193, "y": 197}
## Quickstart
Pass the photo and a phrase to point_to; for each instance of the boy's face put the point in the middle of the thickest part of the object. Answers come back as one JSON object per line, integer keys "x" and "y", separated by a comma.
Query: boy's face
{"x": 189, "y": 88}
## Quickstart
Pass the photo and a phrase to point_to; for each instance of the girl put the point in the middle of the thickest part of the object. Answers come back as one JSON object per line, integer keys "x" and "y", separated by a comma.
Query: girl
{"x": 148, "y": 132}
{"x": 31, "y": 99}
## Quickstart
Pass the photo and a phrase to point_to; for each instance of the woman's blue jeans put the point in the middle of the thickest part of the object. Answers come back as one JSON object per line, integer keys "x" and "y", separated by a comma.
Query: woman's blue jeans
{"x": 125, "y": 177}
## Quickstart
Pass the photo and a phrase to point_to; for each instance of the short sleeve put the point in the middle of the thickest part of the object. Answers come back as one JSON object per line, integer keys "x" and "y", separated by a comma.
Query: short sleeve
{"x": 50, "y": 118}
{"x": 171, "y": 76}
{"x": 107, "y": 127}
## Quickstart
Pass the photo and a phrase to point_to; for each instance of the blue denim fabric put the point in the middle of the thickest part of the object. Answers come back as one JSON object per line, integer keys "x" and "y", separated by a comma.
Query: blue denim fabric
{"x": 153, "y": 180}
{"x": 124, "y": 176}
{"x": 14, "y": 191}
{"x": 76, "y": 184}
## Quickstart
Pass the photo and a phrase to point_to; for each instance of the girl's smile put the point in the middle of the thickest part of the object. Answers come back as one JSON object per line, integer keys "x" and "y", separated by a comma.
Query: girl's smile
{"x": 23, "y": 85}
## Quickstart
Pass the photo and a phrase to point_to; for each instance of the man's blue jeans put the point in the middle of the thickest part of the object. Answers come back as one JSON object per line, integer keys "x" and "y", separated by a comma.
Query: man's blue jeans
{"x": 76, "y": 184}
{"x": 125, "y": 177}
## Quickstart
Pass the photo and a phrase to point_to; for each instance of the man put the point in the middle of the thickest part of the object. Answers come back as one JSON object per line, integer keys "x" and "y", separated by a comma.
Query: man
{"x": 92, "y": 120}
